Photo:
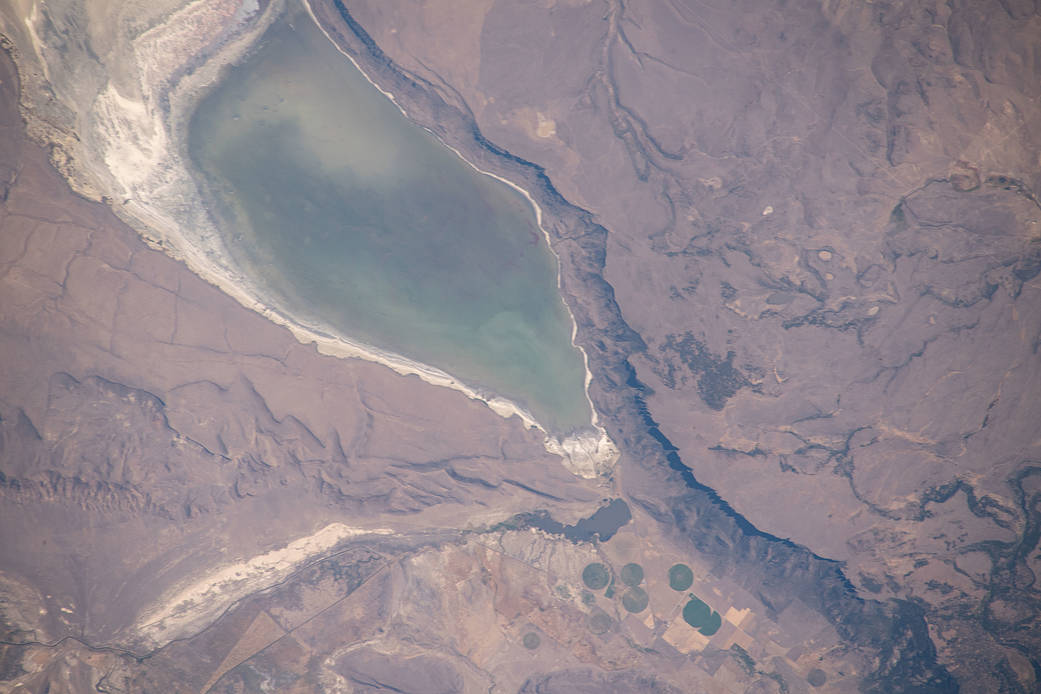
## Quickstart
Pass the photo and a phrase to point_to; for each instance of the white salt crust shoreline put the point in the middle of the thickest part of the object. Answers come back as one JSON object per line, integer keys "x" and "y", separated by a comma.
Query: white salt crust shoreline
{"x": 197, "y": 602}
{"x": 596, "y": 446}
{"x": 143, "y": 165}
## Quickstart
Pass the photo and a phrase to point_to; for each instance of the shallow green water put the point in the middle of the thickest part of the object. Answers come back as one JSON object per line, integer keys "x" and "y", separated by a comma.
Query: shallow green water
{"x": 356, "y": 218}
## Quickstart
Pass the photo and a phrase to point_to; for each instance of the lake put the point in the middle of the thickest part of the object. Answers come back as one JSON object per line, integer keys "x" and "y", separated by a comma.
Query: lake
{"x": 353, "y": 217}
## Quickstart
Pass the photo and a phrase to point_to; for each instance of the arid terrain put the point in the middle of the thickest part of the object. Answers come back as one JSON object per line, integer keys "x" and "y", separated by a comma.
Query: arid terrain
{"x": 802, "y": 245}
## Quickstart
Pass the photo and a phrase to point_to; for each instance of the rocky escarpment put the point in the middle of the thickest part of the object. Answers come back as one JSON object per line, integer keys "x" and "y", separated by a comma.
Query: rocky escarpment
{"x": 777, "y": 570}
{"x": 822, "y": 225}
{"x": 152, "y": 430}
{"x": 801, "y": 246}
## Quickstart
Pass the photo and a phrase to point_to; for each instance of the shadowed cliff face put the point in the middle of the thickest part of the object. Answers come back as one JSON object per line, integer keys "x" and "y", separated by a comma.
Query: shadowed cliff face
{"x": 814, "y": 242}
{"x": 801, "y": 246}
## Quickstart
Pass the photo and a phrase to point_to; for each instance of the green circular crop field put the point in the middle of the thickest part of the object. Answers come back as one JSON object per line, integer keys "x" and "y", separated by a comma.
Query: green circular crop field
{"x": 600, "y": 622}
{"x": 635, "y": 600}
{"x": 632, "y": 574}
{"x": 696, "y": 613}
{"x": 531, "y": 640}
{"x": 595, "y": 576}
{"x": 680, "y": 577}
{"x": 714, "y": 622}
{"x": 816, "y": 678}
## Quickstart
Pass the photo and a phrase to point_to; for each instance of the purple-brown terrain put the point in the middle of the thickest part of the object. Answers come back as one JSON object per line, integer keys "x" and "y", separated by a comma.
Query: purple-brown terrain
{"x": 802, "y": 244}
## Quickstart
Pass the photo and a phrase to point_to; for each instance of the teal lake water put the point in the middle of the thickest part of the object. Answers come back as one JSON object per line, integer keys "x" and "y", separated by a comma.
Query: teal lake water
{"x": 356, "y": 218}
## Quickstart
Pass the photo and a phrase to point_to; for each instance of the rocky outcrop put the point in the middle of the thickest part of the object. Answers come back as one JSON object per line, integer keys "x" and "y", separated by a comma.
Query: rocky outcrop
{"x": 801, "y": 247}
{"x": 152, "y": 430}
{"x": 812, "y": 241}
